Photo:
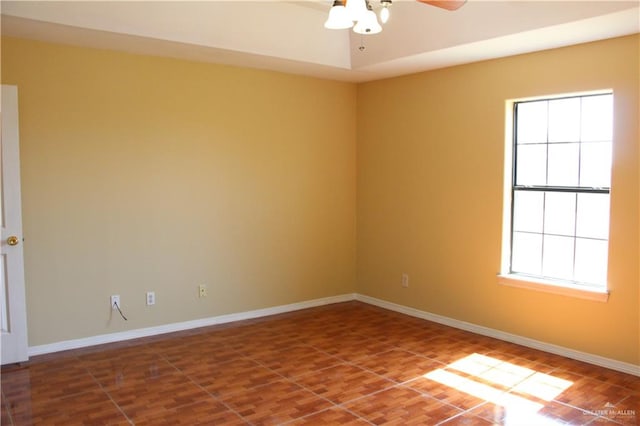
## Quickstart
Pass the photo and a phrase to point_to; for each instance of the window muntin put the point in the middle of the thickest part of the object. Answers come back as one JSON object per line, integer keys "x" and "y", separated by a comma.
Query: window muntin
{"x": 560, "y": 189}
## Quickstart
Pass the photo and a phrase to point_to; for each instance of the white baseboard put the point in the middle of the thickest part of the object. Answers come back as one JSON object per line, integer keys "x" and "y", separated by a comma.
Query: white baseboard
{"x": 222, "y": 319}
{"x": 181, "y": 326}
{"x": 513, "y": 338}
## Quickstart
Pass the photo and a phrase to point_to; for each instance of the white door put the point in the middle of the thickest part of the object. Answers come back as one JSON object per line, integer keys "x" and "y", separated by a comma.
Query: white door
{"x": 14, "y": 310}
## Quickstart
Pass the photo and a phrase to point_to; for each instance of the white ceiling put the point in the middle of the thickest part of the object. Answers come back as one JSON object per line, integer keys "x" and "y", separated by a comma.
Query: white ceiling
{"x": 290, "y": 37}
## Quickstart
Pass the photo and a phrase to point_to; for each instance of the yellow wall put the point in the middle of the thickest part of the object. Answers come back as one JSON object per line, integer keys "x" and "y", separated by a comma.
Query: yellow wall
{"x": 430, "y": 179}
{"x": 144, "y": 173}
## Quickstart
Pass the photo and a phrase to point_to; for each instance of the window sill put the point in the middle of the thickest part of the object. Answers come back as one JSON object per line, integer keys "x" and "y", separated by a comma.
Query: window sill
{"x": 552, "y": 287}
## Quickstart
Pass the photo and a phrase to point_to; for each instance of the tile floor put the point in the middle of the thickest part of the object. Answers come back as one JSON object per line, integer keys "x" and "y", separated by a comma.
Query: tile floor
{"x": 342, "y": 364}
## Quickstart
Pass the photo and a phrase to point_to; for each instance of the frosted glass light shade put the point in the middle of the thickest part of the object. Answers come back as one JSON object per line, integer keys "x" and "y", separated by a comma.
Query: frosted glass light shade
{"x": 338, "y": 18}
{"x": 368, "y": 24}
{"x": 384, "y": 15}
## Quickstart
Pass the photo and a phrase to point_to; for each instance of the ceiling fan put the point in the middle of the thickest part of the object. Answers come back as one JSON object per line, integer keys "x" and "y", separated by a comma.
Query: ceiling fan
{"x": 445, "y": 4}
{"x": 359, "y": 14}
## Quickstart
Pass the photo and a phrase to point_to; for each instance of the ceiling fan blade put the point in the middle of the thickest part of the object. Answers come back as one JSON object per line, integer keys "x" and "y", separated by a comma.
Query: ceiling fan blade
{"x": 445, "y": 4}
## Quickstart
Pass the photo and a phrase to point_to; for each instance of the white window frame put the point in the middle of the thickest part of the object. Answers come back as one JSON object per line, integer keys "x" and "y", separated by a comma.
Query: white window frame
{"x": 505, "y": 277}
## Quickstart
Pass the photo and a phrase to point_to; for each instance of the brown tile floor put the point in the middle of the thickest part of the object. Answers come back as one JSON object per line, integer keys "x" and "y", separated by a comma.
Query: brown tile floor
{"x": 347, "y": 363}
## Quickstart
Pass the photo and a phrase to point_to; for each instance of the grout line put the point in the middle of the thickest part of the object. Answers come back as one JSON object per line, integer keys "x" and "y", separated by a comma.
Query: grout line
{"x": 7, "y": 407}
{"x": 216, "y": 399}
{"x": 106, "y": 392}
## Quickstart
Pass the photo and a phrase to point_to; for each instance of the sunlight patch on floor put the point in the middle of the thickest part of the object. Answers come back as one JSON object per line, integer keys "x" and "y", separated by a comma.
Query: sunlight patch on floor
{"x": 504, "y": 384}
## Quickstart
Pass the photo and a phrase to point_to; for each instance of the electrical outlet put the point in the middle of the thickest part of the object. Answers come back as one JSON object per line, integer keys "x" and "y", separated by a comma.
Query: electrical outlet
{"x": 405, "y": 280}
{"x": 115, "y": 301}
{"x": 151, "y": 298}
{"x": 202, "y": 290}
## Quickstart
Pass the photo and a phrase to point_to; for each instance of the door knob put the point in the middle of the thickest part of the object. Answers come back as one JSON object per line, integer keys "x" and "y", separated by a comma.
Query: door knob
{"x": 13, "y": 240}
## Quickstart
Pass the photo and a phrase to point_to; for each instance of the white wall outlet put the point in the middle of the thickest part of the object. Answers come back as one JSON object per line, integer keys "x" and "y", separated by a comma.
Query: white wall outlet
{"x": 405, "y": 280}
{"x": 202, "y": 290}
{"x": 151, "y": 298}
{"x": 115, "y": 301}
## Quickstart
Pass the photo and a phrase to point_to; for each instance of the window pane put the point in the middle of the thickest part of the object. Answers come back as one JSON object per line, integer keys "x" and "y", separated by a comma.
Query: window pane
{"x": 591, "y": 261}
{"x": 531, "y": 167}
{"x": 560, "y": 213}
{"x": 557, "y": 260}
{"x": 527, "y": 253}
{"x": 564, "y": 120}
{"x": 593, "y": 216}
{"x": 564, "y": 164}
{"x": 527, "y": 211}
{"x": 595, "y": 165}
{"x": 532, "y": 122}
{"x": 597, "y": 118}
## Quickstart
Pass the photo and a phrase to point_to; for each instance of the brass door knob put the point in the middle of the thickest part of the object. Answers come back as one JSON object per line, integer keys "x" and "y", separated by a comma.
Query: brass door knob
{"x": 13, "y": 240}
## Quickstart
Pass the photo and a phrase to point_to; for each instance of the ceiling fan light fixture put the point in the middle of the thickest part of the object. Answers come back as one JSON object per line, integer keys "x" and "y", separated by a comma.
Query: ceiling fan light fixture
{"x": 344, "y": 13}
{"x": 339, "y": 17}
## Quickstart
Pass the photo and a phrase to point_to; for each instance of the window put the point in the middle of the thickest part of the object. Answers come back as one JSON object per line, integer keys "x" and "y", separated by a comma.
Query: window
{"x": 560, "y": 190}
